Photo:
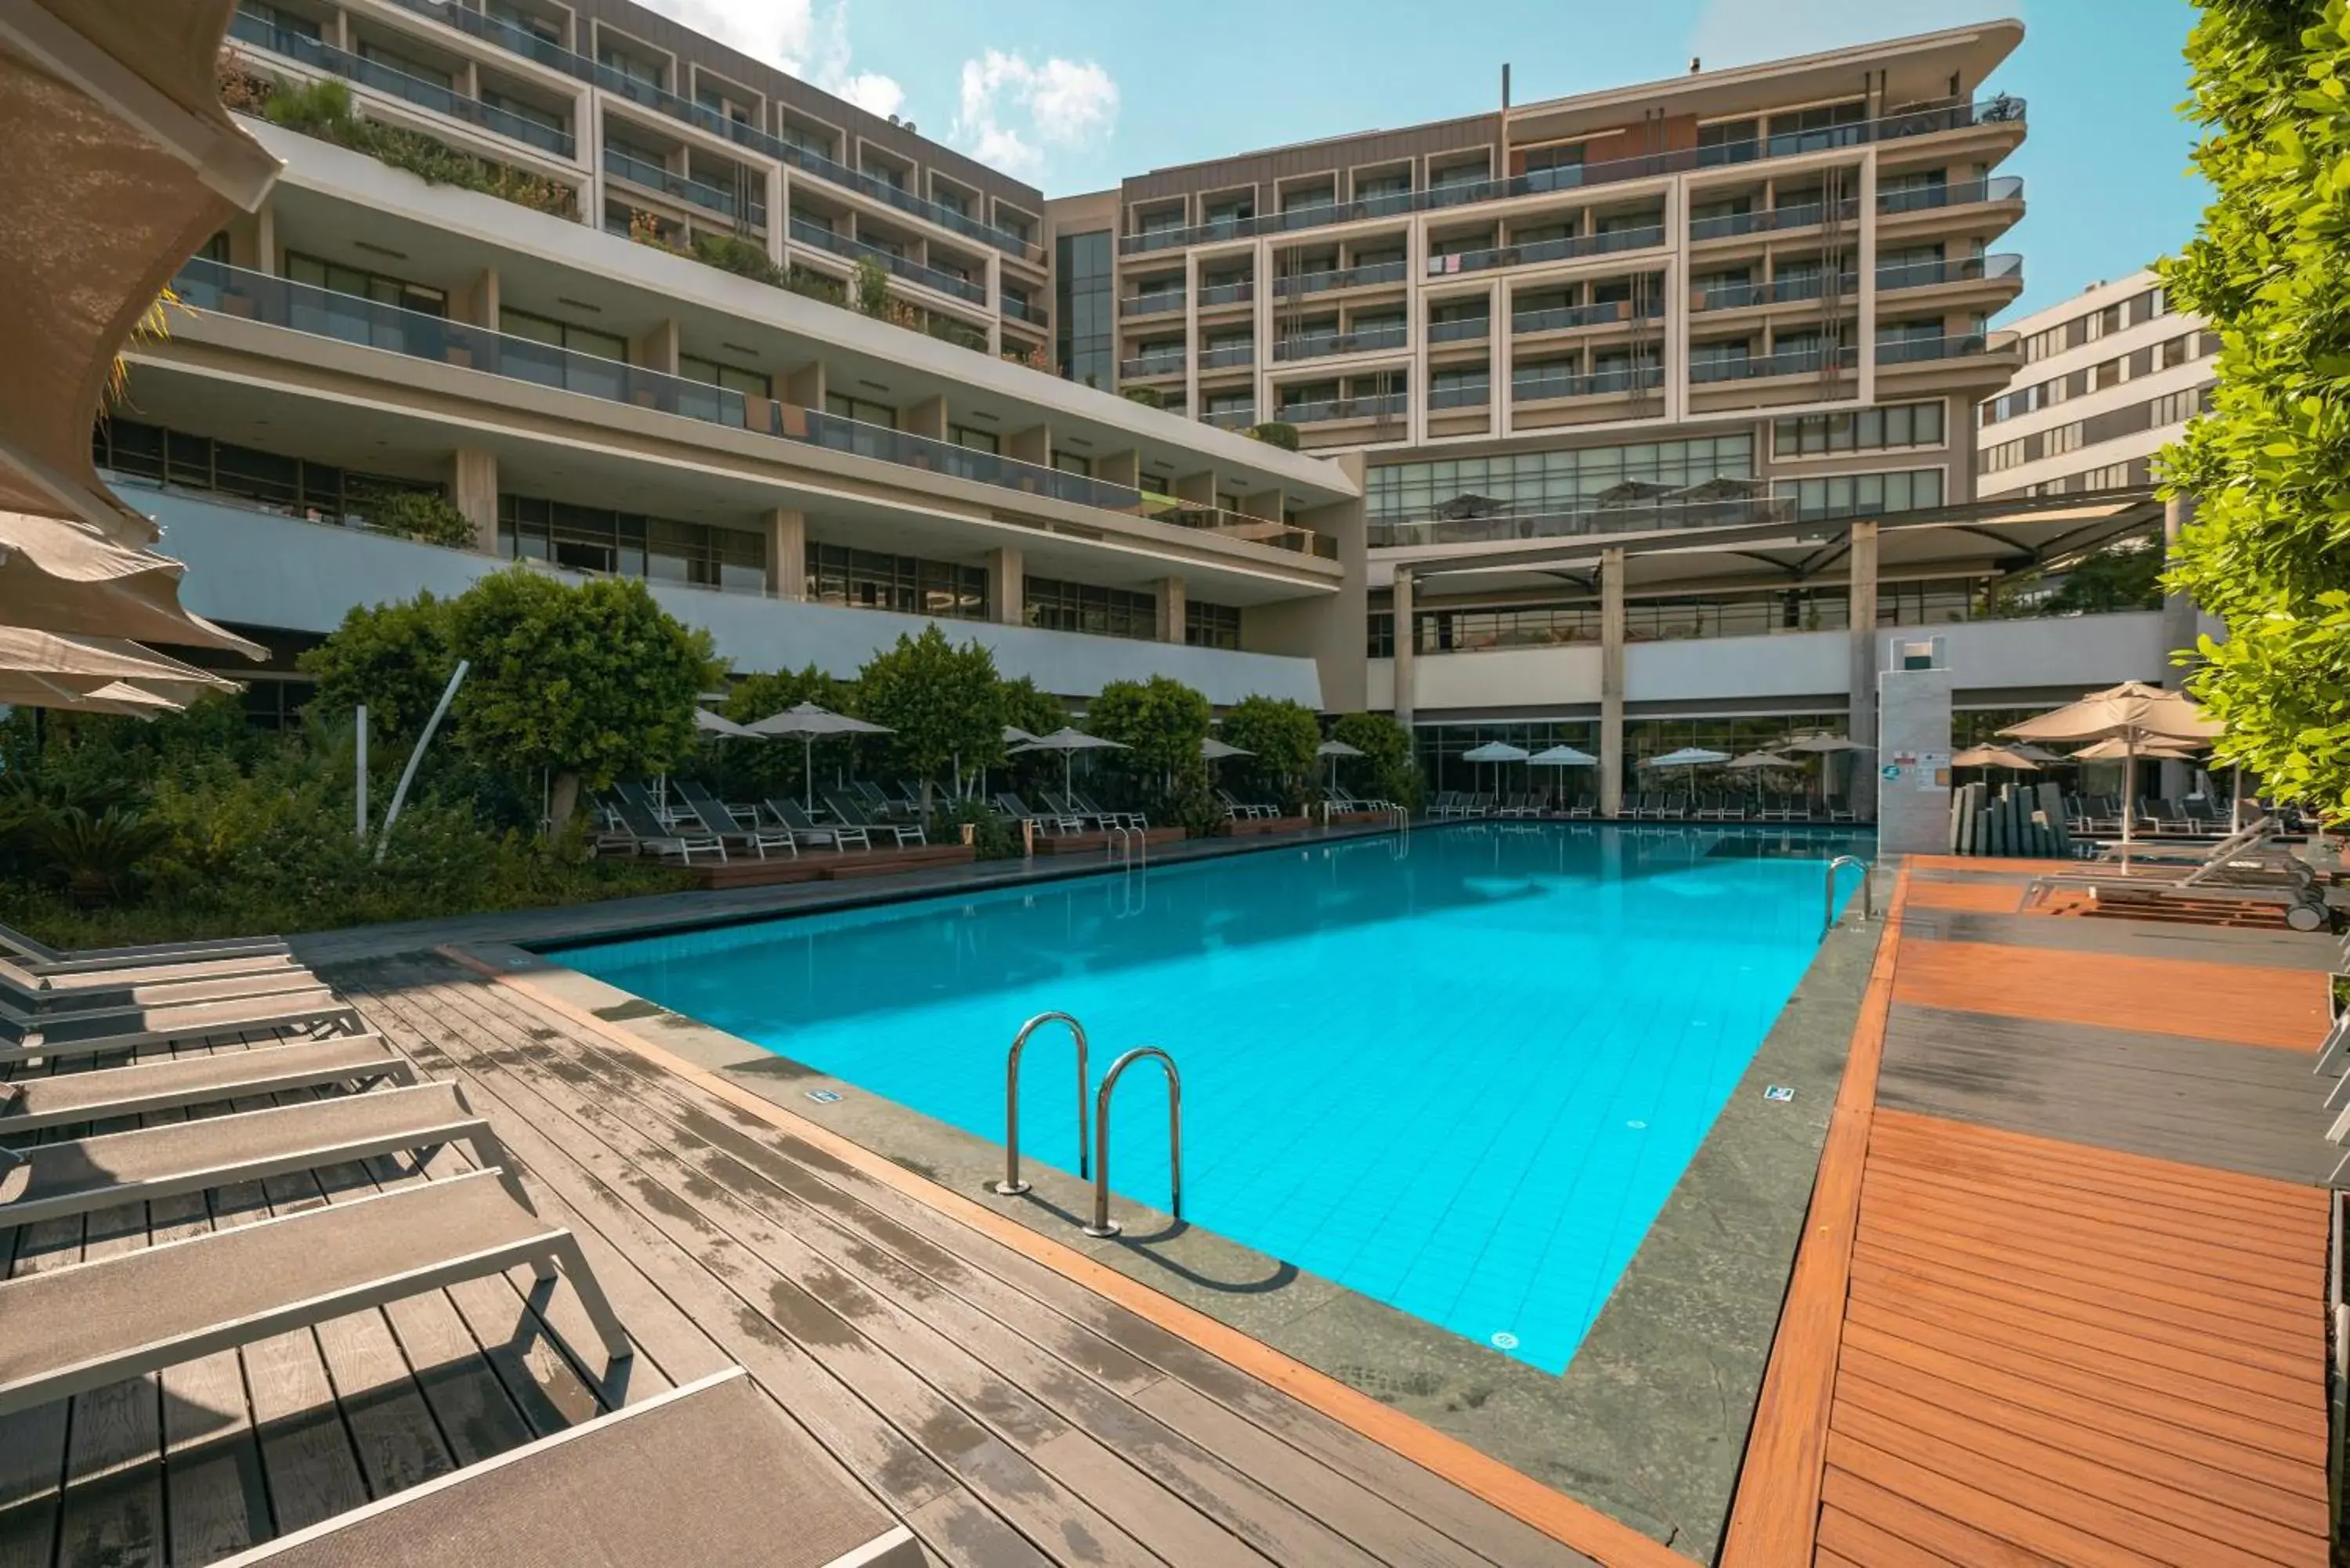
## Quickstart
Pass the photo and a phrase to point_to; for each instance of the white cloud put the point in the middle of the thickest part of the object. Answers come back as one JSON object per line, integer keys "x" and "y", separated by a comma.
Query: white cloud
{"x": 1743, "y": 32}
{"x": 793, "y": 36}
{"x": 1011, "y": 110}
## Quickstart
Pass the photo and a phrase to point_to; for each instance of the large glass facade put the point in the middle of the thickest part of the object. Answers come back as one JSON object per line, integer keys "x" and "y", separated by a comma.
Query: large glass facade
{"x": 1085, "y": 314}
{"x": 1765, "y": 612}
{"x": 296, "y": 487}
{"x": 1865, "y": 494}
{"x": 630, "y": 544}
{"x": 1059, "y": 605}
{"x": 1439, "y": 749}
{"x": 870, "y": 579}
{"x": 1211, "y": 626}
{"x": 1537, "y": 483}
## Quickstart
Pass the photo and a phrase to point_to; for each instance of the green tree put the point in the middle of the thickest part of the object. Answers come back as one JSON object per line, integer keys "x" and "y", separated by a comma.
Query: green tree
{"x": 2125, "y": 576}
{"x": 2270, "y": 464}
{"x": 868, "y": 287}
{"x": 753, "y": 770}
{"x": 1282, "y": 735}
{"x": 1161, "y": 723}
{"x": 1387, "y": 762}
{"x": 394, "y": 658}
{"x": 940, "y": 701}
{"x": 1026, "y": 707}
{"x": 591, "y": 682}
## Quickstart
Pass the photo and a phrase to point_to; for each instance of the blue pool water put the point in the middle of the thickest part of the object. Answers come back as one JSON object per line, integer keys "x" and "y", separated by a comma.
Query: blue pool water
{"x": 1459, "y": 1074}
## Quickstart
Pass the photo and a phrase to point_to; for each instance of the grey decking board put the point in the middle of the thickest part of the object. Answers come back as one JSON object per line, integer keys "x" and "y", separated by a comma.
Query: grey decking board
{"x": 2301, "y": 950}
{"x": 2247, "y": 1108}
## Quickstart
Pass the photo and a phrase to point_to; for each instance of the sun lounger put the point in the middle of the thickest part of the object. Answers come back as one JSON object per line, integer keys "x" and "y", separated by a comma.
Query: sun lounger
{"x": 1013, "y": 806}
{"x": 707, "y": 1475}
{"x": 848, "y": 813}
{"x": 82, "y": 1327}
{"x": 27, "y": 1037}
{"x": 42, "y": 959}
{"x": 30, "y": 1104}
{"x": 717, "y": 819}
{"x": 1130, "y": 819}
{"x": 647, "y": 831}
{"x": 805, "y": 829}
{"x": 82, "y": 1176}
{"x": 1582, "y": 809}
{"x": 150, "y": 987}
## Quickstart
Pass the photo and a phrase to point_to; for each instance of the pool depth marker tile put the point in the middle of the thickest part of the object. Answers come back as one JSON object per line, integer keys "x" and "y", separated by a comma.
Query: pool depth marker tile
{"x": 1556, "y": 1515}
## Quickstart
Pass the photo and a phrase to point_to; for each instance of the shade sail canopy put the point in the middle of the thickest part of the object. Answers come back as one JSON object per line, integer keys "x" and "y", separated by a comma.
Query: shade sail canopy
{"x": 87, "y": 663}
{"x": 1821, "y": 744}
{"x": 1757, "y": 760}
{"x": 1563, "y": 756}
{"x": 1213, "y": 749}
{"x": 114, "y": 697}
{"x": 1338, "y": 748}
{"x": 2133, "y": 707}
{"x": 1995, "y": 757}
{"x": 1687, "y": 757}
{"x": 720, "y": 725}
{"x": 2119, "y": 748}
{"x": 1495, "y": 751}
{"x": 2036, "y": 753}
{"x": 809, "y": 722}
{"x": 61, "y": 576}
{"x": 1013, "y": 734}
{"x": 117, "y": 141}
{"x": 1065, "y": 739}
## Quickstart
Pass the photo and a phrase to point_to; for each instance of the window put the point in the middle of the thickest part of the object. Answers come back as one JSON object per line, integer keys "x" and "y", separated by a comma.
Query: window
{"x": 1211, "y": 626}
{"x": 1865, "y": 429}
{"x": 379, "y": 286}
{"x": 507, "y": 103}
{"x": 1058, "y": 606}
{"x": 861, "y": 409}
{"x": 2007, "y": 454}
{"x": 563, "y": 335}
{"x": 2112, "y": 373}
{"x": 2040, "y": 345}
{"x": 1373, "y": 187}
{"x": 290, "y": 486}
{"x": 1548, "y": 168}
{"x": 1085, "y": 319}
{"x": 1727, "y": 142}
{"x": 750, "y": 383}
{"x": 611, "y": 57}
{"x": 627, "y": 544}
{"x": 870, "y": 579}
{"x": 952, "y": 200}
{"x": 2177, "y": 351}
{"x": 1071, "y": 462}
{"x": 2112, "y": 476}
{"x": 2178, "y": 408}
{"x": 807, "y": 139}
{"x": 1465, "y": 388}
{"x": 973, "y": 439}
{"x": 415, "y": 70}
{"x": 1537, "y": 483}
{"x": 1863, "y": 495}
{"x": 2061, "y": 439}
{"x": 1457, "y": 175}
{"x": 1822, "y": 125}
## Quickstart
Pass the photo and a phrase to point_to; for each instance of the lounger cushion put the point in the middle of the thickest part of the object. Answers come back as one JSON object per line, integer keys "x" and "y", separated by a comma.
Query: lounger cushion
{"x": 26, "y": 1104}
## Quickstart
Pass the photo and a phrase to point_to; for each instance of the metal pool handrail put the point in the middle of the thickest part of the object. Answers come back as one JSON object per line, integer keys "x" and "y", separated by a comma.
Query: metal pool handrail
{"x": 1103, "y": 1225}
{"x": 1867, "y": 891}
{"x": 1011, "y": 1186}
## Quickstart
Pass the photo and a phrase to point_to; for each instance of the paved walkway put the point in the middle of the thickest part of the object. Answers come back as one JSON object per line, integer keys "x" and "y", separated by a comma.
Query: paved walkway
{"x": 2062, "y": 1294}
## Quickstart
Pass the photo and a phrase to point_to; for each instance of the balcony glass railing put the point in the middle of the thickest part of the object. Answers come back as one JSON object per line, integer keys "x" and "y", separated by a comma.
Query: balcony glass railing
{"x": 1254, "y": 529}
{"x": 1759, "y": 367}
{"x": 653, "y": 176}
{"x": 1461, "y": 329}
{"x": 279, "y": 302}
{"x": 1562, "y": 249}
{"x": 807, "y": 233}
{"x": 1158, "y": 303}
{"x": 1499, "y": 522}
{"x": 1777, "y": 291}
{"x": 1559, "y": 316}
{"x": 1967, "y": 269}
{"x": 1227, "y": 292}
{"x": 1344, "y": 277}
{"x": 1389, "y": 407}
{"x": 1535, "y": 387}
{"x": 1770, "y": 220}
{"x": 1152, "y": 364}
{"x": 521, "y": 41}
{"x": 1229, "y": 354}
{"x": 1460, "y": 395}
{"x": 1963, "y": 193}
{"x": 1229, "y": 418}
{"x": 1020, "y": 309}
{"x": 248, "y": 28}
{"x": 1920, "y": 351}
{"x": 1891, "y": 128}
{"x": 1322, "y": 345}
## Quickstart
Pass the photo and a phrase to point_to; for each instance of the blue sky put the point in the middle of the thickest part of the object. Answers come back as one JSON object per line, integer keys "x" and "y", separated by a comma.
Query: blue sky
{"x": 1074, "y": 94}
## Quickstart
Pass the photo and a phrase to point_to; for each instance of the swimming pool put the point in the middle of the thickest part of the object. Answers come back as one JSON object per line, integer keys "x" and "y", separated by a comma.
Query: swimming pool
{"x": 1458, "y": 1073}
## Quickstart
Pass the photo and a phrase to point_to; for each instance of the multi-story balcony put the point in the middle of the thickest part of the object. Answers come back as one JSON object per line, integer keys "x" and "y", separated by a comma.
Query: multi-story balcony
{"x": 1785, "y": 362}
{"x": 1494, "y": 521}
{"x": 1343, "y": 277}
{"x": 1466, "y": 394}
{"x": 1021, "y": 310}
{"x": 1961, "y": 194}
{"x": 1529, "y": 253}
{"x": 1226, "y": 356}
{"x": 1385, "y": 406}
{"x": 520, "y": 40}
{"x": 1539, "y": 386}
{"x": 807, "y": 233}
{"x": 300, "y": 48}
{"x": 701, "y": 194}
{"x": 1927, "y": 350}
{"x": 1461, "y": 329}
{"x": 1322, "y": 345}
{"x": 1777, "y": 291}
{"x": 2000, "y": 268}
{"x": 1560, "y": 317}
{"x": 1771, "y": 220}
{"x": 1229, "y": 419}
{"x": 1890, "y": 128}
{"x": 1149, "y": 367}
{"x": 1162, "y": 303}
{"x": 1217, "y": 294}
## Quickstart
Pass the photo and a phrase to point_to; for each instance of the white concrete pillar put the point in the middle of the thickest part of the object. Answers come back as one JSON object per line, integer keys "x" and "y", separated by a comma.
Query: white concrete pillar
{"x": 1007, "y": 594}
{"x": 1407, "y": 648}
{"x": 786, "y": 552}
{"x": 1171, "y": 602}
{"x": 1863, "y": 725}
{"x": 779, "y": 212}
{"x": 473, "y": 491}
{"x": 1611, "y": 682}
{"x": 927, "y": 418}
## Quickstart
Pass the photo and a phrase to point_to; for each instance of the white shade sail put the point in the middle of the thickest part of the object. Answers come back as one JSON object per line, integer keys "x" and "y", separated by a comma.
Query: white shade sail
{"x": 1563, "y": 756}
{"x": 1496, "y": 752}
{"x": 2133, "y": 707}
{"x": 1687, "y": 757}
{"x": 60, "y": 576}
{"x": 1212, "y": 749}
{"x": 720, "y": 725}
{"x": 1337, "y": 749}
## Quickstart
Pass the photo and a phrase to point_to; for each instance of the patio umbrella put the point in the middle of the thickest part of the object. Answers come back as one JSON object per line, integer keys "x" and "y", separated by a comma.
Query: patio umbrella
{"x": 63, "y": 576}
{"x": 87, "y": 663}
{"x": 1334, "y": 749}
{"x": 720, "y": 725}
{"x": 1216, "y": 750}
{"x": 2011, "y": 758}
{"x": 1820, "y": 744}
{"x": 1690, "y": 757}
{"x": 120, "y": 697}
{"x": 1563, "y": 756}
{"x": 2036, "y": 753}
{"x": 1069, "y": 743}
{"x": 2114, "y": 749}
{"x": 2133, "y": 714}
{"x": 1755, "y": 762}
{"x": 808, "y": 722}
{"x": 1496, "y": 752}
{"x": 1015, "y": 735}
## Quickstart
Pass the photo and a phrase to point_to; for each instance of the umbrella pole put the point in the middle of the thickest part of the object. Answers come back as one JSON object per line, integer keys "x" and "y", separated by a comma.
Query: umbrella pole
{"x": 808, "y": 774}
{"x": 2129, "y": 791}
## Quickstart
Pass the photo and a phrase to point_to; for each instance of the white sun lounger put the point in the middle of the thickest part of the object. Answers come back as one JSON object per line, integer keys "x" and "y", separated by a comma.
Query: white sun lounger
{"x": 42, "y": 959}
{"x": 62, "y": 1099}
{"x": 150, "y": 987}
{"x": 27, "y": 1037}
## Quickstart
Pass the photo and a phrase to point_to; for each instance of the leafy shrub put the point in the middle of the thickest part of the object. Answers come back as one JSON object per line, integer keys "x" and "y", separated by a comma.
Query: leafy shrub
{"x": 1387, "y": 766}
{"x": 394, "y": 658}
{"x": 1273, "y": 432}
{"x": 323, "y": 109}
{"x": 744, "y": 258}
{"x": 1149, "y": 397}
{"x": 868, "y": 287}
{"x": 95, "y": 857}
{"x": 991, "y": 836}
{"x": 1282, "y": 735}
{"x": 425, "y": 515}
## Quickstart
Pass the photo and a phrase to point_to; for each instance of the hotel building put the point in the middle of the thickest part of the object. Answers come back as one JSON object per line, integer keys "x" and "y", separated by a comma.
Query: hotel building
{"x": 1633, "y": 417}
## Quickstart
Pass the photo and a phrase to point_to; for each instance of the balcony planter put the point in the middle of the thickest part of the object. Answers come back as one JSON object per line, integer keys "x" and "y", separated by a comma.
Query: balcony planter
{"x": 1275, "y": 432}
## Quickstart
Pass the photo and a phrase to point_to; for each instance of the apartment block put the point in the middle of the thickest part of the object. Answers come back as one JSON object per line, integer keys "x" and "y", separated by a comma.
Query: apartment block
{"x": 2109, "y": 377}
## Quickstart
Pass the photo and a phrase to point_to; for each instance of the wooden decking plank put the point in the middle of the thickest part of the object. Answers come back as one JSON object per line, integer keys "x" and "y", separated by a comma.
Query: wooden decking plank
{"x": 2071, "y": 1189}
{"x": 114, "y": 1472}
{"x": 2191, "y": 1527}
{"x": 1880, "y": 1513}
{"x": 2007, "y": 1150}
{"x": 2156, "y": 996}
{"x": 2050, "y": 1534}
{"x": 857, "y": 1203}
{"x": 1848, "y": 1540}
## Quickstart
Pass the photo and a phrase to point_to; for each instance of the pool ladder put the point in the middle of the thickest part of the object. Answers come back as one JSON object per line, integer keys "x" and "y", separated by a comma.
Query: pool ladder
{"x": 1867, "y": 891}
{"x": 1130, "y": 846}
{"x": 1011, "y": 1186}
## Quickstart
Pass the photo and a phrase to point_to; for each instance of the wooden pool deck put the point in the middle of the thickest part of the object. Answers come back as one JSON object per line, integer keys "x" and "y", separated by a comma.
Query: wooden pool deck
{"x": 2062, "y": 1295}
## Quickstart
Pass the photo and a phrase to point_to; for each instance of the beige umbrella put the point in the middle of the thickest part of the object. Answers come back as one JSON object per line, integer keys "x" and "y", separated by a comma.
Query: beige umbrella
{"x": 807, "y": 721}
{"x": 2132, "y": 714}
{"x": 87, "y": 663}
{"x": 2011, "y": 758}
{"x": 1068, "y": 741}
{"x": 2115, "y": 749}
{"x": 117, "y": 697}
{"x": 56, "y": 575}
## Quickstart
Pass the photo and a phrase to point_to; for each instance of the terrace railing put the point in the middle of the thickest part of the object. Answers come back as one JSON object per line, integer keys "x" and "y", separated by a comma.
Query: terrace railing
{"x": 248, "y": 28}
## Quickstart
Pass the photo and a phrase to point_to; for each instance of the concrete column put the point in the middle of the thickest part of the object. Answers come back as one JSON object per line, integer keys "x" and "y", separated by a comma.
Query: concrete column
{"x": 786, "y": 552}
{"x": 1407, "y": 648}
{"x": 252, "y": 241}
{"x": 589, "y": 119}
{"x": 1611, "y": 682}
{"x": 779, "y": 212}
{"x": 1033, "y": 444}
{"x": 804, "y": 387}
{"x": 1268, "y": 505}
{"x": 473, "y": 490}
{"x": 927, "y": 418}
{"x": 1200, "y": 489}
{"x": 655, "y": 349}
{"x": 1119, "y": 468}
{"x": 995, "y": 285}
{"x": 1863, "y": 261}
{"x": 1863, "y": 725}
{"x": 1171, "y": 602}
{"x": 2179, "y": 626}
{"x": 1007, "y": 596}
{"x": 477, "y": 303}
